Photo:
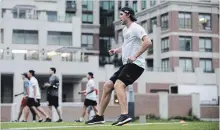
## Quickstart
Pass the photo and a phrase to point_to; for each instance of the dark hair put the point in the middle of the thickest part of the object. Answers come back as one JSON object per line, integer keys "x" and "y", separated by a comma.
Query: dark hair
{"x": 25, "y": 75}
{"x": 91, "y": 74}
{"x": 32, "y": 72}
{"x": 53, "y": 69}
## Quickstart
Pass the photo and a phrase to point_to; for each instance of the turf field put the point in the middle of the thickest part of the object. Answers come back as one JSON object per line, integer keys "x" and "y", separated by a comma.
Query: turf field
{"x": 107, "y": 126}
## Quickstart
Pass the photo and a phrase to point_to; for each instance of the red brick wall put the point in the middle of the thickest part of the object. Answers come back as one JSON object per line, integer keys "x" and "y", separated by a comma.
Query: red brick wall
{"x": 146, "y": 104}
{"x": 5, "y": 113}
{"x": 179, "y": 105}
{"x": 209, "y": 111}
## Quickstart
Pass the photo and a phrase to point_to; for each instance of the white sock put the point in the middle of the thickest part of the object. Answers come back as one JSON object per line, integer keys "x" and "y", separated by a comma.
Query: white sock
{"x": 81, "y": 118}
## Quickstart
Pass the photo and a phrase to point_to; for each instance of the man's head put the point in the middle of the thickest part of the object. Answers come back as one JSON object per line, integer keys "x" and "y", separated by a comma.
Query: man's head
{"x": 52, "y": 70}
{"x": 31, "y": 73}
{"x": 24, "y": 76}
{"x": 90, "y": 75}
{"x": 127, "y": 15}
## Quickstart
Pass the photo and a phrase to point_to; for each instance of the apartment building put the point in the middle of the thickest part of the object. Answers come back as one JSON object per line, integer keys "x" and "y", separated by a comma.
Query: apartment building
{"x": 74, "y": 36}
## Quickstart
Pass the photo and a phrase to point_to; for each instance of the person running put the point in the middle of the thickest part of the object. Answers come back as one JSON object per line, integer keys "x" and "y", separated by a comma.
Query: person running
{"x": 35, "y": 96}
{"x": 136, "y": 42}
{"x": 52, "y": 92}
{"x": 90, "y": 94}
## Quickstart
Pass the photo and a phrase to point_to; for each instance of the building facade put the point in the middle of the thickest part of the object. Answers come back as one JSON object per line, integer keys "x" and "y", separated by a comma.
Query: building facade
{"x": 68, "y": 35}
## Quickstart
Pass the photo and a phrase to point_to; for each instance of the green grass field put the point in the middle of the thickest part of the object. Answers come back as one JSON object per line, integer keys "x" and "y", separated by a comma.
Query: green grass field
{"x": 107, "y": 126}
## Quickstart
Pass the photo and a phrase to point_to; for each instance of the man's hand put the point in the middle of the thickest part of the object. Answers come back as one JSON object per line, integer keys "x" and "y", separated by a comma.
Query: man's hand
{"x": 26, "y": 96}
{"x": 114, "y": 51}
{"x": 131, "y": 59}
{"x": 85, "y": 94}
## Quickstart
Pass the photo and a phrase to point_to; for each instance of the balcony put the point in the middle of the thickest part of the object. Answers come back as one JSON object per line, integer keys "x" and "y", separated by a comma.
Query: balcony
{"x": 71, "y": 6}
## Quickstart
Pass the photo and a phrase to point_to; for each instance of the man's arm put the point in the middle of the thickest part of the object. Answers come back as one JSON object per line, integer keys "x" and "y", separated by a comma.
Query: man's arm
{"x": 118, "y": 50}
{"x": 19, "y": 94}
{"x": 145, "y": 45}
{"x": 27, "y": 89}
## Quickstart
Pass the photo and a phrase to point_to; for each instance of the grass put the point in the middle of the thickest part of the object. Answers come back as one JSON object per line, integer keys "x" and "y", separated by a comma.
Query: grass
{"x": 107, "y": 126}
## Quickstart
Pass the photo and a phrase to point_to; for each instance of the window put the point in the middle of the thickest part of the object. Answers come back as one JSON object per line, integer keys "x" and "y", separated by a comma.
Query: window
{"x": 143, "y": 4}
{"x": 186, "y": 64}
{"x": 3, "y": 12}
{"x": 164, "y": 22}
{"x": 59, "y": 38}
{"x": 185, "y": 43}
{"x": 20, "y": 14}
{"x": 205, "y": 21}
{"x": 87, "y": 5}
{"x": 87, "y": 18}
{"x": 152, "y": 2}
{"x": 144, "y": 25}
{"x": 7, "y": 88}
{"x": 165, "y": 64}
{"x": 206, "y": 65}
{"x": 2, "y": 36}
{"x": 107, "y": 5}
{"x": 205, "y": 44}
{"x": 185, "y": 20}
{"x": 70, "y": 4}
{"x": 87, "y": 11}
{"x": 69, "y": 16}
{"x": 151, "y": 49}
{"x": 152, "y": 22}
{"x": 87, "y": 41}
{"x": 165, "y": 45}
{"x": 51, "y": 16}
{"x": 25, "y": 37}
{"x": 135, "y": 6}
{"x": 126, "y": 3}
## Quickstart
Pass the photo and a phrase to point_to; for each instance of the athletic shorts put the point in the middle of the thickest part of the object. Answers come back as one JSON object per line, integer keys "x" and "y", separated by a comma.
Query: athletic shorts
{"x": 53, "y": 101}
{"x": 89, "y": 102}
{"x": 127, "y": 73}
{"x": 31, "y": 102}
{"x": 24, "y": 102}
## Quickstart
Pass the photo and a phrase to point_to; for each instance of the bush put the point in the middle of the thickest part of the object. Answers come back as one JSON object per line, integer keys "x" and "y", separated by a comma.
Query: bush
{"x": 151, "y": 116}
{"x": 186, "y": 118}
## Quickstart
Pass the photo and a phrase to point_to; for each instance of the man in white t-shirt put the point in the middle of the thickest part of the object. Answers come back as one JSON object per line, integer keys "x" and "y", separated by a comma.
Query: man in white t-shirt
{"x": 90, "y": 94}
{"x": 35, "y": 95}
{"x": 136, "y": 42}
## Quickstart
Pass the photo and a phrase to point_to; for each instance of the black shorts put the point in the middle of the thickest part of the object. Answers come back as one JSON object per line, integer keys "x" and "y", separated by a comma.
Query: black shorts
{"x": 127, "y": 73}
{"x": 53, "y": 101}
{"x": 31, "y": 102}
{"x": 89, "y": 102}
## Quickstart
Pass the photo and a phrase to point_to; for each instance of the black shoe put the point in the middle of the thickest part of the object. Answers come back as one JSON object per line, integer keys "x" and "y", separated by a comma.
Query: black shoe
{"x": 48, "y": 120}
{"x": 123, "y": 119}
{"x": 23, "y": 121}
{"x": 78, "y": 121}
{"x": 96, "y": 120}
{"x": 40, "y": 120}
{"x": 60, "y": 120}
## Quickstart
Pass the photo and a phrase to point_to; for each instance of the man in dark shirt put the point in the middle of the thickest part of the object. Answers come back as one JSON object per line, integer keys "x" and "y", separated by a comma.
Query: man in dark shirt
{"x": 52, "y": 92}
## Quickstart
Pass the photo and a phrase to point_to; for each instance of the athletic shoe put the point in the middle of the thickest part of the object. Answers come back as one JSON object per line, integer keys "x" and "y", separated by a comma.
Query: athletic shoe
{"x": 47, "y": 120}
{"x": 40, "y": 120}
{"x": 78, "y": 121}
{"x": 23, "y": 121}
{"x": 96, "y": 120}
{"x": 123, "y": 119}
{"x": 60, "y": 120}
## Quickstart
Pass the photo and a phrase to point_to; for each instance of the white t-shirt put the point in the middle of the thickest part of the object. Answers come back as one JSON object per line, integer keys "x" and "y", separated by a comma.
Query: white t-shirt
{"x": 89, "y": 86}
{"x": 132, "y": 43}
{"x": 34, "y": 83}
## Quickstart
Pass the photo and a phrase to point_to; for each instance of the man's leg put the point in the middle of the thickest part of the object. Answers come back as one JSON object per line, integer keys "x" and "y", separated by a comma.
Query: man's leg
{"x": 20, "y": 112}
{"x": 50, "y": 110}
{"x": 59, "y": 113}
{"x": 33, "y": 114}
{"x": 122, "y": 98}
{"x": 83, "y": 113}
{"x": 26, "y": 113}
{"x": 106, "y": 96}
{"x": 41, "y": 110}
{"x": 37, "y": 113}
